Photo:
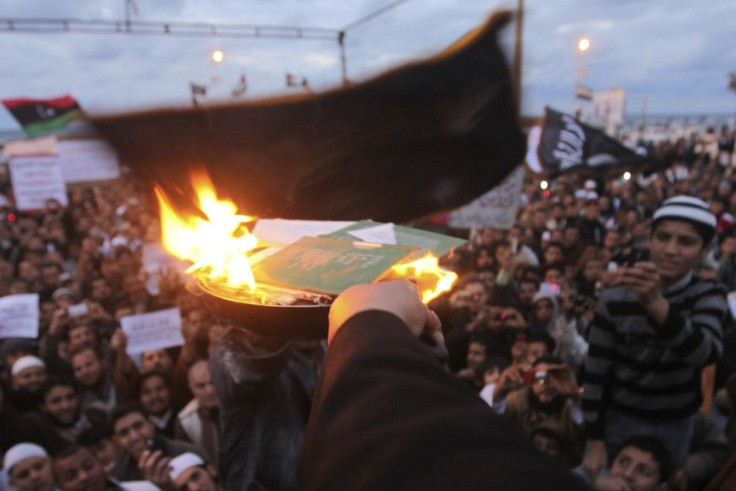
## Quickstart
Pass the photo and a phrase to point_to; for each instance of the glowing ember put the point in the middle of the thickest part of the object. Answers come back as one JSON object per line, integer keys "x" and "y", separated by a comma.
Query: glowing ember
{"x": 431, "y": 279}
{"x": 218, "y": 246}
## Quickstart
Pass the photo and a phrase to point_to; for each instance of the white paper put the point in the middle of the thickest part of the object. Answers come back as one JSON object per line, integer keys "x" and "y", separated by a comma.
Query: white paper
{"x": 87, "y": 161}
{"x": 732, "y": 303}
{"x": 281, "y": 231}
{"x": 380, "y": 234}
{"x": 19, "y": 316}
{"x": 36, "y": 180}
{"x": 154, "y": 330}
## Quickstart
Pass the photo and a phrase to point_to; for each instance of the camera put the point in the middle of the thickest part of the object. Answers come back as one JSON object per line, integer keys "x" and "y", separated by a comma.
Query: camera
{"x": 534, "y": 375}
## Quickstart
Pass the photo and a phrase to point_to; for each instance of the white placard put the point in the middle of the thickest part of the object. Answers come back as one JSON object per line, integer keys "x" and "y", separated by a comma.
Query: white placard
{"x": 19, "y": 316}
{"x": 380, "y": 234}
{"x": 282, "y": 231}
{"x": 495, "y": 209}
{"x": 87, "y": 160}
{"x": 36, "y": 180}
{"x": 154, "y": 330}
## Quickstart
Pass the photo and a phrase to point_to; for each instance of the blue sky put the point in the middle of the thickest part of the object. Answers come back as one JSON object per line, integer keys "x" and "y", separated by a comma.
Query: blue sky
{"x": 676, "y": 53}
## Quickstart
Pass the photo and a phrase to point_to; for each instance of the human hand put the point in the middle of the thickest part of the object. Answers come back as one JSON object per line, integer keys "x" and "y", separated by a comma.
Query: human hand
{"x": 596, "y": 458}
{"x": 564, "y": 380}
{"x": 118, "y": 341}
{"x": 398, "y": 297}
{"x": 643, "y": 279}
{"x": 513, "y": 319}
{"x": 155, "y": 468}
{"x": 510, "y": 380}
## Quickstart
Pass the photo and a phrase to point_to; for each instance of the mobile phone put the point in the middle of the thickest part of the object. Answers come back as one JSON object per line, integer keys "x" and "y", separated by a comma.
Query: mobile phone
{"x": 636, "y": 256}
{"x": 612, "y": 267}
{"x": 156, "y": 443}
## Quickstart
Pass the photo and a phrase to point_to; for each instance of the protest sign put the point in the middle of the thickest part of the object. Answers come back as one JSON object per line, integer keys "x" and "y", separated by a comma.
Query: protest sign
{"x": 154, "y": 330}
{"x": 19, "y": 316}
{"x": 87, "y": 161}
{"x": 36, "y": 180}
{"x": 495, "y": 209}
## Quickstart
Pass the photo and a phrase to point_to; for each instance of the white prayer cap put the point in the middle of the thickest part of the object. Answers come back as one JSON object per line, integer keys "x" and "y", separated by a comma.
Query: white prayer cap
{"x": 581, "y": 193}
{"x": 119, "y": 241}
{"x": 591, "y": 195}
{"x": 183, "y": 462}
{"x": 689, "y": 209}
{"x": 590, "y": 184}
{"x": 22, "y": 451}
{"x": 26, "y": 362}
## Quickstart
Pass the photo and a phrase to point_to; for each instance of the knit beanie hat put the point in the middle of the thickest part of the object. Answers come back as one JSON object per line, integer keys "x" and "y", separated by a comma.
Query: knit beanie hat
{"x": 690, "y": 210}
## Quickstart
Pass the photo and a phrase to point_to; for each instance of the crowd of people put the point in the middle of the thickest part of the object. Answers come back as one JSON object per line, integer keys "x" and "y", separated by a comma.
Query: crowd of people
{"x": 597, "y": 326}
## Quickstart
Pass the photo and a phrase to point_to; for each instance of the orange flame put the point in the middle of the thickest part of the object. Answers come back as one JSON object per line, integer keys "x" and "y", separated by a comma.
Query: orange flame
{"x": 431, "y": 279}
{"x": 218, "y": 246}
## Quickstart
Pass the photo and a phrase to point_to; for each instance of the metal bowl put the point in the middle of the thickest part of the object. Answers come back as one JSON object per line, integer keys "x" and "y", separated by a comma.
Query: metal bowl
{"x": 304, "y": 320}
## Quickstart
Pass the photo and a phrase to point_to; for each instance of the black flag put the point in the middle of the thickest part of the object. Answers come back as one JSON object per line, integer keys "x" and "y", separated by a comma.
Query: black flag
{"x": 427, "y": 137}
{"x": 567, "y": 145}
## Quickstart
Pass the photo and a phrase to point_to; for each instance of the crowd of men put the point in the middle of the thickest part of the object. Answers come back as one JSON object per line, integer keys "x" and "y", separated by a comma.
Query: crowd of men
{"x": 597, "y": 325}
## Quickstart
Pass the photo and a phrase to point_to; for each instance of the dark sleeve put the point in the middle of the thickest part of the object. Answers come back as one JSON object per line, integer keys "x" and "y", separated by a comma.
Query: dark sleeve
{"x": 387, "y": 416}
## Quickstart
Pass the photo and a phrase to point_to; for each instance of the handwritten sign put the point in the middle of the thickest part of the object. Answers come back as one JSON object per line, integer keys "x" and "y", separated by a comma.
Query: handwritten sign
{"x": 19, "y": 316}
{"x": 495, "y": 209}
{"x": 154, "y": 330}
{"x": 36, "y": 180}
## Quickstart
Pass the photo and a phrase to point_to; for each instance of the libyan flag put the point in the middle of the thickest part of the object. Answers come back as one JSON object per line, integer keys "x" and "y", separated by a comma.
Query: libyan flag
{"x": 38, "y": 116}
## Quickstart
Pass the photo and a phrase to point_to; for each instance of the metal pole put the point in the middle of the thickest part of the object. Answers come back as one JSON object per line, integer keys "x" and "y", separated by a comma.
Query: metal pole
{"x": 343, "y": 62}
{"x": 518, "y": 52}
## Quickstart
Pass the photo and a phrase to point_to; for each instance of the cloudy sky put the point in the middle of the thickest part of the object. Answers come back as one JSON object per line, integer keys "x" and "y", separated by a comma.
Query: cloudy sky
{"x": 675, "y": 53}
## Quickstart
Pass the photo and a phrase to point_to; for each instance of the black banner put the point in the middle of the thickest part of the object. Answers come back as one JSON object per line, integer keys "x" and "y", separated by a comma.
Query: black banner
{"x": 567, "y": 145}
{"x": 427, "y": 137}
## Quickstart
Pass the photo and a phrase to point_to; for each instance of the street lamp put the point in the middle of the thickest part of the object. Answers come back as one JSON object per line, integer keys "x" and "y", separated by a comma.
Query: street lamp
{"x": 583, "y": 44}
{"x": 218, "y": 56}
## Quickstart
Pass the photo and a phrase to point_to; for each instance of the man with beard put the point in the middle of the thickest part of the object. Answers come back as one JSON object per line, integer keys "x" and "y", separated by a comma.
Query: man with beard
{"x": 155, "y": 397}
{"x": 26, "y": 377}
{"x": 62, "y": 417}
{"x": 546, "y": 393}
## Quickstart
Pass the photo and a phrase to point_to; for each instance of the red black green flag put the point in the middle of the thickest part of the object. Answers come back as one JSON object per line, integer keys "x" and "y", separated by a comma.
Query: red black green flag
{"x": 43, "y": 115}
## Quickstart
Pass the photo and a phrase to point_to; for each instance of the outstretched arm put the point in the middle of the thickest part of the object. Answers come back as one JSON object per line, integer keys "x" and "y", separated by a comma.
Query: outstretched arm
{"x": 387, "y": 415}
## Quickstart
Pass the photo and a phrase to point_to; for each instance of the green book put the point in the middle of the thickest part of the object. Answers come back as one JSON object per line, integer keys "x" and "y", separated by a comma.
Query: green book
{"x": 327, "y": 265}
{"x": 437, "y": 244}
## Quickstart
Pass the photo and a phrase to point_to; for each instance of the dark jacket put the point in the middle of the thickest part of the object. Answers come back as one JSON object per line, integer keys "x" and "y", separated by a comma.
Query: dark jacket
{"x": 265, "y": 387}
{"x": 387, "y": 415}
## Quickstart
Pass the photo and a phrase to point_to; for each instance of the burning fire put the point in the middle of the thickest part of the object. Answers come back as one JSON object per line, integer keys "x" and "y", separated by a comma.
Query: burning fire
{"x": 431, "y": 279}
{"x": 219, "y": 245}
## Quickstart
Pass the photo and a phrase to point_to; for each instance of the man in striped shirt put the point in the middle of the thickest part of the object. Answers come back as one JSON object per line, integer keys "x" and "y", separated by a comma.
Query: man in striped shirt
{"x": 651, "y": 336}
